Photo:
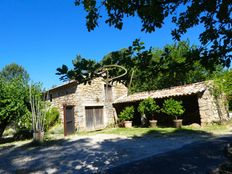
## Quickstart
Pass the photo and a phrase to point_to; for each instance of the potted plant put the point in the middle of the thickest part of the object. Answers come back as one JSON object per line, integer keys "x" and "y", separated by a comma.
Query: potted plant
{"x": 175, "y": 109}
{"x": 147, "y": 107}
{"x": 38, "y": 110}
{"x": 126, "y": 116}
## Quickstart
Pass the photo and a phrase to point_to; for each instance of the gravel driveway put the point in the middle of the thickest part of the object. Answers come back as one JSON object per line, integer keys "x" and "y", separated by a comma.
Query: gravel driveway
{"x": 90, "y": 154}
{"x": 195, "y": 158}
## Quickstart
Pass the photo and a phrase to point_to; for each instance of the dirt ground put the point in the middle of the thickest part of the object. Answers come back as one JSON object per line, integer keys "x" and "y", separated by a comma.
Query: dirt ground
{"x": 90, "y": 154}
{"x": 203, "y": 157}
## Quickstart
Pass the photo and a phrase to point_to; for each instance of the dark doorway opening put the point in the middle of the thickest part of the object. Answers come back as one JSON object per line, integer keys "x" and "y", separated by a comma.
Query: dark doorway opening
{"x": 190, "y": 116}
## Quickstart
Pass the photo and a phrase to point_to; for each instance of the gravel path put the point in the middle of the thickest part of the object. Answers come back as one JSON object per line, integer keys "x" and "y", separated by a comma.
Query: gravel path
{"x": 195, "y": 158}
{"x": 90, "y": 154}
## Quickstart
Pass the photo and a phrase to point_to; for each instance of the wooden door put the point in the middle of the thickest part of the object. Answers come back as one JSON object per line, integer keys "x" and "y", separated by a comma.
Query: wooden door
{"x": 69, "y": 120}
{"x": 94, "y": 117}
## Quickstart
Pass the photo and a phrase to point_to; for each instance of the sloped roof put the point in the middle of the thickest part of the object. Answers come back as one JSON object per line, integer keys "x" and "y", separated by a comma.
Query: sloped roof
{"x": 63, "y": 85}
{"x": 164, "y": 93}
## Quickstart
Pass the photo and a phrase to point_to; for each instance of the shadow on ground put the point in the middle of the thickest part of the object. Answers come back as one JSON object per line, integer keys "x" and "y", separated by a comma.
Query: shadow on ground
{"x": 176, "y": 132}
{"x": 7, "y": 140}
{"x": 94, "y": 154}
{"x": 195, "y": 158}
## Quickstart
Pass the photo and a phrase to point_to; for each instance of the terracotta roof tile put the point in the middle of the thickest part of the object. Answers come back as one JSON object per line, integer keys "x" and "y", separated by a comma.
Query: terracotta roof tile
{"x": 169, "y": 92}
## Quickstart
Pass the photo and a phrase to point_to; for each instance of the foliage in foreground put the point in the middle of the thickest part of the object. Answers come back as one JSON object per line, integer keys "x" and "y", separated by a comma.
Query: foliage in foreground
{"x": 214, "y": 17}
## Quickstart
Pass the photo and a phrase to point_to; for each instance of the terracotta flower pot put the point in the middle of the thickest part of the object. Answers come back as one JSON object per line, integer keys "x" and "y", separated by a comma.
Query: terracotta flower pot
{"x": 38, "y": 136}
{"x": 128, "y": 124}
{"x": 177, "y": 123}
{"x": 153, "y": 123}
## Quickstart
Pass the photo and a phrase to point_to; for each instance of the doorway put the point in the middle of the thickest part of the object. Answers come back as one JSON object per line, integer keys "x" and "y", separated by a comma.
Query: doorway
{"x": 69, "y": 120}
{"x": 94, "y": 117}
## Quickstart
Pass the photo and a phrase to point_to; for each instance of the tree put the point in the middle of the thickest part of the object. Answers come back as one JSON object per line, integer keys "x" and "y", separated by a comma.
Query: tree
{"x": 83, "y": 71}
{"x": 173, "y": 108}
{"x": 12, "y": 71}
{"x": 159, "y": 68}
{"x": 148, "y": 106}
{"x": 215, "y": 17}
{"x": 38, "y": 110}
{"x": 223, "y": 84}
{"x": 147, "y": 69}
{"x": 13, "y": 102}
{"x": 14, "y": 97}
{"x": 127, "y": 114}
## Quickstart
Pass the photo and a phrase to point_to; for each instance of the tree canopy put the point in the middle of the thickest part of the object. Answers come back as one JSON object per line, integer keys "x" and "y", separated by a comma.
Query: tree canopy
{"x": 147, "y": 69}
{"x": 14, "y": 93}
{"x": 83, "y": 70}
{"x": 173, "y": 107}
{"x": 213, "y": 16}
{"x": 223, "y": 83}
{"x": 13, "y": 102}
{"x": 12, "y": 71}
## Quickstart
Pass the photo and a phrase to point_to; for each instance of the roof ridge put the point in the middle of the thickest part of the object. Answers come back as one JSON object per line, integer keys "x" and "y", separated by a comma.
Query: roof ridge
{"x": 182, "y": 90}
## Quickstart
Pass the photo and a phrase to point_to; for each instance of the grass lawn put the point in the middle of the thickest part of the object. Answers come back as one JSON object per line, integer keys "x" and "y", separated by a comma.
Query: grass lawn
{"x": 131, "y": 132}
{"x": 56, "y": 133}
{"x": 164, "y": 131}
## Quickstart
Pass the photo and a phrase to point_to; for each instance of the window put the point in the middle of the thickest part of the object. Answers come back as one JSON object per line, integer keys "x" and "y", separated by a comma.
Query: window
{"x": 108, "y": 93}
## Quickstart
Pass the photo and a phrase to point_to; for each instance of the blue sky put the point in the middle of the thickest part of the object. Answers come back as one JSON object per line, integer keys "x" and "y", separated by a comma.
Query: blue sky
{"x": 41, "y": 35}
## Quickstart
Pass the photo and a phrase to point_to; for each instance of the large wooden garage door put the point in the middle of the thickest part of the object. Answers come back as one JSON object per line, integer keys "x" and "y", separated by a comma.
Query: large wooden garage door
{"x": 69, "y": 121}
{"x": 94, "y": 117}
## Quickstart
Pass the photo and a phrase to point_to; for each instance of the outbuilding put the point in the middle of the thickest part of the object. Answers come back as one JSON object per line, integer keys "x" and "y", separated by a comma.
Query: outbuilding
{"x": 202, "y": 106}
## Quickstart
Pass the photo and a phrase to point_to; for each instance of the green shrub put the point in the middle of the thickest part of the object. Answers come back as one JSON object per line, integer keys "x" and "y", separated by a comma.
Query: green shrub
{"x": 173, "y": 108}
{"x": 127, "y": 114}
{"x": 57, "y": 129}
{"x": 24, "y": 122}
{"x": 148, "y": 106}
{"x": 52, "y": 118}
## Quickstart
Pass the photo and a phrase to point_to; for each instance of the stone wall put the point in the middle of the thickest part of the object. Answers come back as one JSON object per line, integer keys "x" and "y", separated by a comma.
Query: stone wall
{"x": 119, "y": 90}
{"x": 94, "y": 95}
{"x": 210, "y": 108}
{"x": 65, "y": 95}
{"x": 89, "y": 95}
{"x": 81, "y": 96}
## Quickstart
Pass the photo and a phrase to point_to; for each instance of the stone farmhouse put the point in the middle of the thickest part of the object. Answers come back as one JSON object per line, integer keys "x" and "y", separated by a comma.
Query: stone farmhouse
{"x": 94, "y": 106}
{"x": 86, "y": 106}
{"x": 201, "y": 106}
